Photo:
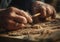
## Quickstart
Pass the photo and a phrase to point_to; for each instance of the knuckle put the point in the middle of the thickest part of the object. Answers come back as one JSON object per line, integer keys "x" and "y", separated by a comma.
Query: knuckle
{"x": 13, "y": 14}
{"x": 44, "y": 8}
{"x": 20, "y": 19}
{"x": 24, "y": 20}
{"x": 11, "y": 9}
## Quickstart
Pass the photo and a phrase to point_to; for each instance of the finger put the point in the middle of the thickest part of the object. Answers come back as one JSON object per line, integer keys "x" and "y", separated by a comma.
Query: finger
{"x": 53, "y": 12}
{"x": 20, "y": 19}
{"x": 20, "y": 25}
{"x": 12, "y": 25}
{"x": 43, "y": 11}
{"x": 49, "y": 9}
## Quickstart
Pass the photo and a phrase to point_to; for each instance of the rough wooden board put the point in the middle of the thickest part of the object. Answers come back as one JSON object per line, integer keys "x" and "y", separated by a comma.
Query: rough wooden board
{"x": 41, "y": 32}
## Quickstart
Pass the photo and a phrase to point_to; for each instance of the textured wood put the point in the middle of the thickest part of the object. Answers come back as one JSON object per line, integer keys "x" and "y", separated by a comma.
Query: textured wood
{"x": 41, "y": 32}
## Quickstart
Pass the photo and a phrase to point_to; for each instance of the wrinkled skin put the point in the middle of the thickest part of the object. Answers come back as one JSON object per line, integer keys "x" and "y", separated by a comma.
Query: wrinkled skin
{"x": 47, "y": 12}
{"x": 13, "y": 18}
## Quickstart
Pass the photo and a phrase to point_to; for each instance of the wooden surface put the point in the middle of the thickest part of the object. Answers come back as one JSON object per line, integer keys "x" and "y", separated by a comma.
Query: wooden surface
{"x": 42, "y": 32}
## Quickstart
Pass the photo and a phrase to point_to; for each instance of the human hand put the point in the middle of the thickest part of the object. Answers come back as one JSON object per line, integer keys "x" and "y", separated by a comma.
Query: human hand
{"x": 47, "y": 12}
{"x": 13, "y": 18}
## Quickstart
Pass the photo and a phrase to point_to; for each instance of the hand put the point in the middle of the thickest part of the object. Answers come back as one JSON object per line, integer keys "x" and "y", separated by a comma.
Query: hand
{"x": 47, "y": 12}
{"x": 13, "y": 18}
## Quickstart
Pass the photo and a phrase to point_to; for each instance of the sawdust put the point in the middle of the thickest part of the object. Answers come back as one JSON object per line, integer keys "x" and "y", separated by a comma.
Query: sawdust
{"x": 40, "y": 31}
